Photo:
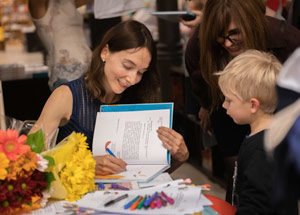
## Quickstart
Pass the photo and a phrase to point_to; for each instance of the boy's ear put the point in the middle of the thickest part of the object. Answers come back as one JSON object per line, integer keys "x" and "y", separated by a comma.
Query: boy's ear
{"x": 104, "y": 53}
{"x": 255, "y": 105}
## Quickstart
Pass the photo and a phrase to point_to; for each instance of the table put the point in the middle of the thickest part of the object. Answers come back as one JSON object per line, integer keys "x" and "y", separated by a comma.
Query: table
{"x": 221, "y": 206}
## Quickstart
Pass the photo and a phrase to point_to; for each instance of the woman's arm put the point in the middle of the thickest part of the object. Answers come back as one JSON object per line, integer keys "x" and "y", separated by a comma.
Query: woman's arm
{"x": 37, "y": 8}
{"x": 79, "y": 3}
{"x": 56, "y": 111}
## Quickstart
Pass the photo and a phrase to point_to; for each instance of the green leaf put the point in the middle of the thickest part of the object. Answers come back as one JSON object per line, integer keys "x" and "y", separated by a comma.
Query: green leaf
{"x": 51, "y": 161}
{"x": 36, "y": 141}
{"x": 49, "y": 178}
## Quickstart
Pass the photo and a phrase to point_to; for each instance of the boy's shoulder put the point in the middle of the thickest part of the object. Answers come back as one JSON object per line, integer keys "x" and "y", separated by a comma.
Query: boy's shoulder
{"x": 256, "y": 139}
{"x": 253, "y": 144}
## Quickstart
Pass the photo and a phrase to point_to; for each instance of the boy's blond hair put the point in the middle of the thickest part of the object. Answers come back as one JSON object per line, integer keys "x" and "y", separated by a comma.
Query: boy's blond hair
{"x": 252, "y": 74}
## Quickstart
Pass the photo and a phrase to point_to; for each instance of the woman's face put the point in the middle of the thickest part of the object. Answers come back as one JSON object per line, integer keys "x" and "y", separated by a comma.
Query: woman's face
{"x": 232, "y": 41}
{"x": 124, "y": 68}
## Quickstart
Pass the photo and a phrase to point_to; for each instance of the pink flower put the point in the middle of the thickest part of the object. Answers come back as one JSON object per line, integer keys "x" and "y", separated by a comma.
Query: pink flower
{"x": 42, "y": 164}
{"x": 12, "y": 145}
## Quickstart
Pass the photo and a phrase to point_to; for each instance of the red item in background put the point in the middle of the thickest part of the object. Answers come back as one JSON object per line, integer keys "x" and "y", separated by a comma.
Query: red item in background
{"x": 274, "y": 4}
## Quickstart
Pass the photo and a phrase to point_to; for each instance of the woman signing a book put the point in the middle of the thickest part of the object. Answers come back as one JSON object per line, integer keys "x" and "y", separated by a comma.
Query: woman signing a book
{"x": 122, "y": 71}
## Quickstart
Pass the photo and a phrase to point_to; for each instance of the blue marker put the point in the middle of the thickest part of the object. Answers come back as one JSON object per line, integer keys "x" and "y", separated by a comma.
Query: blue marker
{"x": 100, "y": 185}
{"x": 131, "y": 202}
{"x": 110, "y": 152}
{"x": 149, "y": 200}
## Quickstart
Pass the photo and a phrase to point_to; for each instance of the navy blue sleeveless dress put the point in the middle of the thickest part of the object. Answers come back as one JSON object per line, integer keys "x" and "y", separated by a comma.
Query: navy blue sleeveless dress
{"x": 84, "y": 112}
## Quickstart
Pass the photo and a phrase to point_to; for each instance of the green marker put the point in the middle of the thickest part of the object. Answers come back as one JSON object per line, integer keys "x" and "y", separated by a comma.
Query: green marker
{"x": 142, "y": 202}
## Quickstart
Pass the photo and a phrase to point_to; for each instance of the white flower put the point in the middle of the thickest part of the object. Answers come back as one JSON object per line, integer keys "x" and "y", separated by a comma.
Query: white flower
{"x": 42, "y": 163}
{"x": 46, "y": 195}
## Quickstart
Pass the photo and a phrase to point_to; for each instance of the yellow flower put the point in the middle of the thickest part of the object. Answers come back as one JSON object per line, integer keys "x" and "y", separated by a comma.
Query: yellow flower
{"x": 4, "y": 163}
{"x": 78, "y": 175}
{"x": 74, "y": 168}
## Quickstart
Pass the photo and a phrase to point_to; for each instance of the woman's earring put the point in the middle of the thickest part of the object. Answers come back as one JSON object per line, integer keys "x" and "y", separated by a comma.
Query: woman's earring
{"x": 103, "y": 60}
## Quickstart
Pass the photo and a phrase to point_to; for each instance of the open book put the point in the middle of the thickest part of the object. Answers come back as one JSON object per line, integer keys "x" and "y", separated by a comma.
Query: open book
{"x": 129, "y": 132}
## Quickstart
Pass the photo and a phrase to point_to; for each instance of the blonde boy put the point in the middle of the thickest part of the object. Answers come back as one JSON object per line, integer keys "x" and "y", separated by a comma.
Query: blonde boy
{"x": 248, "y": 85}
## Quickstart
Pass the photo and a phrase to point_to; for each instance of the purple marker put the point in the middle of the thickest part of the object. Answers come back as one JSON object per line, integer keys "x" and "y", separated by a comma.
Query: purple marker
{"x": 118, "y": 187}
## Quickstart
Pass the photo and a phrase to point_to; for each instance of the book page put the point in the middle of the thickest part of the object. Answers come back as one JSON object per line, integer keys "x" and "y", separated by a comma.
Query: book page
{"x": 131, "y": 135}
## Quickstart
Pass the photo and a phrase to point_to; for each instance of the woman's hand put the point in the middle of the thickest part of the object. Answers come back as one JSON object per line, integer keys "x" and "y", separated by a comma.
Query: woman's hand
{"x": 195, "y": 22}
{"x": 204, "y": 118}
{"x": 174, "y": 142}
{"x": 108, "y": 164}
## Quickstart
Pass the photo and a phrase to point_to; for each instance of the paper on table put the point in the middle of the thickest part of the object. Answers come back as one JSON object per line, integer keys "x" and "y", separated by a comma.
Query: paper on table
{"x": 64, "y": 208}
{"x": 54, "y": 207}
{"x": 161, "y": 179}
{"x": 186, "y": 201}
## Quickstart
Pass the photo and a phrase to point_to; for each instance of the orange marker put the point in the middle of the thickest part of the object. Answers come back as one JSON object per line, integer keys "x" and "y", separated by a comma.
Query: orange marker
{"x": 108, "y": 176}
{"x": 136, "y": 203}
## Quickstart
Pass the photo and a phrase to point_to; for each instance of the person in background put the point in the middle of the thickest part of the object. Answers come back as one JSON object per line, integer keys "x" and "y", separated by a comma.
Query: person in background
{"x": 248, "y": 85}
{"x": 228, "y": 28}
{"x": 122, "y": 70}
{"x": 144, "y": 16}
{"x": 196, "y": 7}
{"x": 107, "y": 13}
{"x": 60, "y": 27}
{"x": 282, "y": 139}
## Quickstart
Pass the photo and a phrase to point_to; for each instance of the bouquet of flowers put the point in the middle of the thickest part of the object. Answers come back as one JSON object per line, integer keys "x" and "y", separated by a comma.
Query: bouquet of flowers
{"x": 24, "y": 184}
{"x": 26, "y": 171}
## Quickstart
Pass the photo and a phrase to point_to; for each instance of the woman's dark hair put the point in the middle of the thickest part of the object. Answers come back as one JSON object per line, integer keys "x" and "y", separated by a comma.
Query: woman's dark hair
{"x": 249, "y": 16}
{"x": 126, "y": 35}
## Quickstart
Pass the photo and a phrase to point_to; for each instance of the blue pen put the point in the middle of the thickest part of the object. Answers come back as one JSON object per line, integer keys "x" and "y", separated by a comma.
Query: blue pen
{"x": 131, "y": 202}
{"x": 149, "y": 200}
{"x": 110, "y": 152}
